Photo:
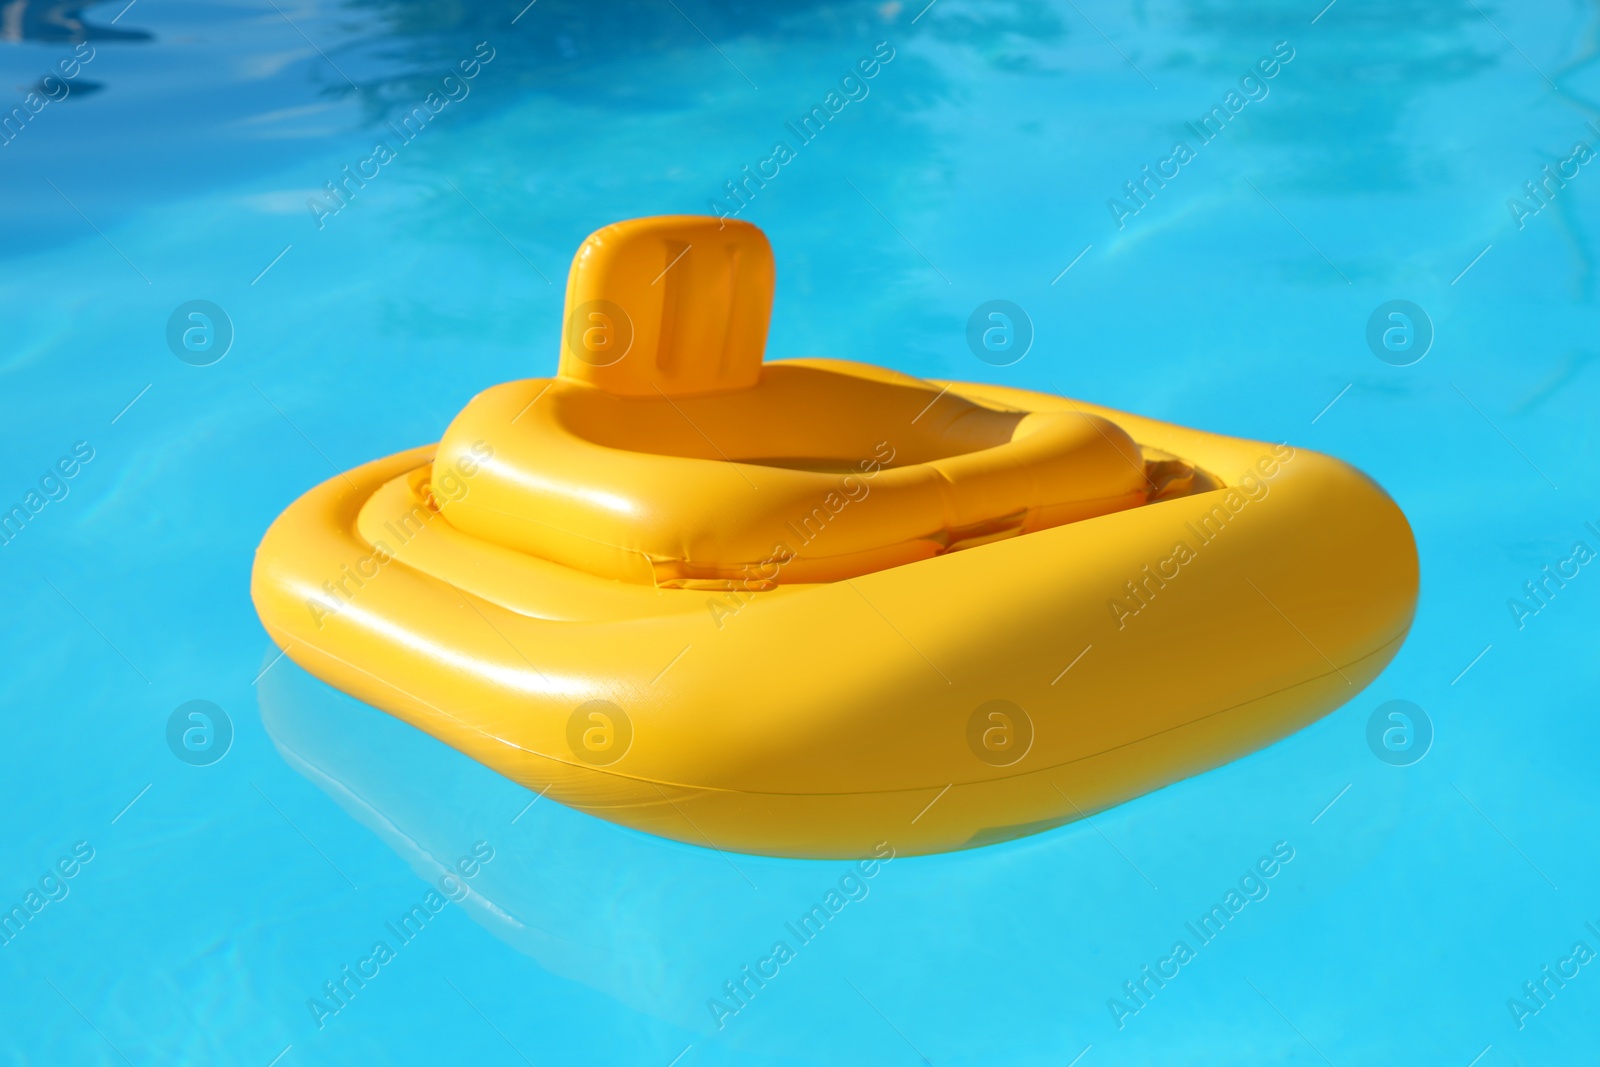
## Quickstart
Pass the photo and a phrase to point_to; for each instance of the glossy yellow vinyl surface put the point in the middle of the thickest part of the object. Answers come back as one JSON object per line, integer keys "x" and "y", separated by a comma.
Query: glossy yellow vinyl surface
{"x": 784, "y": 614}
{"x": 662, "y": 491}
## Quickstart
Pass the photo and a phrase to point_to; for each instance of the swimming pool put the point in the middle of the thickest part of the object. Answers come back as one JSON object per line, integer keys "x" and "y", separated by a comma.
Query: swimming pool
{"x": 1397, "y": 885}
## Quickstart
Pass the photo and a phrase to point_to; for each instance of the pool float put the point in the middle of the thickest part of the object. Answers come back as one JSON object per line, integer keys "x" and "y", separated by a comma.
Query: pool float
{"x": 808, "y": 606}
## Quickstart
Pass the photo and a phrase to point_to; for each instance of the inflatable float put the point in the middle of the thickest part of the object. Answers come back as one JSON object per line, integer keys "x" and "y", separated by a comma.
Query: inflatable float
{"x": 809, "y": 606}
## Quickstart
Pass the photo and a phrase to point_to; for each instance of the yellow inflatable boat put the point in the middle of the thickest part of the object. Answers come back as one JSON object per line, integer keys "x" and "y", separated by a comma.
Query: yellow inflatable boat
{"x": 806, "y": 607}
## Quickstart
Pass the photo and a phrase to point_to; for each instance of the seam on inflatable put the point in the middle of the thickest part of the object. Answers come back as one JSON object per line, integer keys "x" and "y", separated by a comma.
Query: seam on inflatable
{"x": 1399, "y": 637}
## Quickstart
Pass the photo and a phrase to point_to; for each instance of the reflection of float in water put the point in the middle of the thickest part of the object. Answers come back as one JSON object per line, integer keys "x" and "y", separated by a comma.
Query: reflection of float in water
{"x": 661, "y": 927}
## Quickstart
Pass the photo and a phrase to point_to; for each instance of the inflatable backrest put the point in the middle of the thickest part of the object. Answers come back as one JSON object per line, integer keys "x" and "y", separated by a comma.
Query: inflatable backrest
{"x": 674, "y": 305}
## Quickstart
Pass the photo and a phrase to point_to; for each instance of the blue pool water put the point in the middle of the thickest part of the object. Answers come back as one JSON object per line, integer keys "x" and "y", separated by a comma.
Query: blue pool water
{"x": 207, "y": 906}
